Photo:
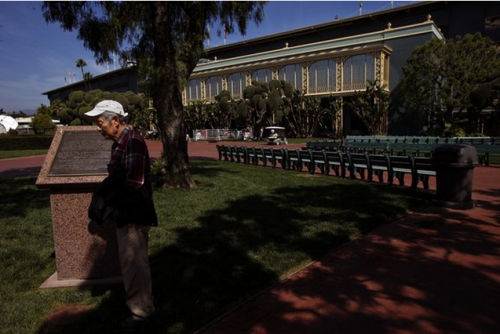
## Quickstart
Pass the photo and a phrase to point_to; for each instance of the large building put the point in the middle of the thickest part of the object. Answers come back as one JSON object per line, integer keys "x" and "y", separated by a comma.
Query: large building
{"x": 337, "y": 58}
{"x": 121, "y": 80}
{"x": 335, "y": 67}
{"x": 331, "y": 59}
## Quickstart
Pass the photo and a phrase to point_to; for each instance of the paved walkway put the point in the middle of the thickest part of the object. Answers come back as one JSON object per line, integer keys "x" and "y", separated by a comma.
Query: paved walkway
{"x": 435, "y": 271}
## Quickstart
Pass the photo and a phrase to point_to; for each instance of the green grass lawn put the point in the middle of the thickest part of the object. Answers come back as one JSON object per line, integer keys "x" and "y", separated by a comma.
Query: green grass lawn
{"x": 18, "y": 154}
{"x": 241, "y": 230}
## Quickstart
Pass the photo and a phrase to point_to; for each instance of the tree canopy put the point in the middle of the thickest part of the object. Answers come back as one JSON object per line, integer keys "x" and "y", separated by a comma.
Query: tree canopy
{"x": 440, "y": 76}
{"x": 166, "y": 40}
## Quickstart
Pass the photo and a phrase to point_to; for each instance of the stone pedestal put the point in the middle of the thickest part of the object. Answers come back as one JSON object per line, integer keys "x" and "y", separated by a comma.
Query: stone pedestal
{"x": 74, "y": 167}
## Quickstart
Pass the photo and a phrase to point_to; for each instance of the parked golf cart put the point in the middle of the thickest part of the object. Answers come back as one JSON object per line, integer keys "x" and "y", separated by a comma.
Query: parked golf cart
{"x": 275, "y": 135}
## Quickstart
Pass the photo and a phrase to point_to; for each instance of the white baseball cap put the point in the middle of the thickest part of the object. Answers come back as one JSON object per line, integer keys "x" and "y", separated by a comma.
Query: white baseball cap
{"x": 107, "y": 105}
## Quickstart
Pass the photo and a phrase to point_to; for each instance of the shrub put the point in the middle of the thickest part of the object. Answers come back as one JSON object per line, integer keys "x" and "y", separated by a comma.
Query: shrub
{"x": 42, "y": 122}
{"x": 76, "y": 122}
{"x": 76, "y": 96}
{"x": 24, "y": 142}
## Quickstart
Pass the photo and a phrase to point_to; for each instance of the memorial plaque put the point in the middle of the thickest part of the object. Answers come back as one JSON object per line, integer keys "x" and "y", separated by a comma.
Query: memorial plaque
{"x": 75, "y": 165}
{"x": 81, "y": 153}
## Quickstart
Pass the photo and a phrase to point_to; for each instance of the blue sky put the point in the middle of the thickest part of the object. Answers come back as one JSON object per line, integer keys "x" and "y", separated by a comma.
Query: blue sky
{"x": 36, "y": 57}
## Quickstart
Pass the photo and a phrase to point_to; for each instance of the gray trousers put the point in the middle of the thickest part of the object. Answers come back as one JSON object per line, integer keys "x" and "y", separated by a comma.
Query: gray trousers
{"x": 134, "y": 260}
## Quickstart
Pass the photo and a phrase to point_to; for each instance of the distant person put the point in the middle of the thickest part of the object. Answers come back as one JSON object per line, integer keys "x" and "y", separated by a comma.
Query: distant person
{"x": 127, "y": 196}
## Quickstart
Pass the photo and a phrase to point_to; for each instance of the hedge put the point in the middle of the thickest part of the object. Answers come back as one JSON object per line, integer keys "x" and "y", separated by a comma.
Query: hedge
{"x": 19, "y": 143}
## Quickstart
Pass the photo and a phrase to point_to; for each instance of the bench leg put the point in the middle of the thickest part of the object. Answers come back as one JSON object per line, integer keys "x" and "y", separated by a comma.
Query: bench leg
{"x": 284, "y": 164}
{"x": 322, "y": 168}
{"x": 414, "y": 181}
{"x": 380, "y": 175}
{"x": 401, "y": 178}
{"x": 342, "y": 171}
{"x": 311, "y": 168}
{"x": 425, "y": 181}
{"x": 336, "y": 170}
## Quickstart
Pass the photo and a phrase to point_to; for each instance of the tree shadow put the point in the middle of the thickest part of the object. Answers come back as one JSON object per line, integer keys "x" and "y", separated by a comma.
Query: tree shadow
{"x": 421, "y": 275}
{"x": 10, "y": 173}
{"x": 201, "y": 277}
{"x": 233, "y": 253}
{"x": 19, "y": 195}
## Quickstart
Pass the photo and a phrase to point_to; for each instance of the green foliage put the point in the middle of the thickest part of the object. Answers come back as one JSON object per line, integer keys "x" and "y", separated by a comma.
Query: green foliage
{"x": 42, "y": 123}
{"x": 96, "y": 92}
{"x": 249, "y": 92}
{"x": 82, "y": 109}
{"x": 89, "y": 98}
{"x": 22, "y": 153}
{"x": 225, "y": 94}
{"x": 274, "y": 100}
{"x": 440, "y": 76}
{"x": 86, "y": 76}
{"x": 76, "y": 96}
{"x": 195, "y": 115}
{"x": 484, "y": 95}
{"x": 255, "y": 101}
{"x": 76, "y": 122}
{"x": 372, "y": 106}
{"x": 276, "y": 103}
{"x": 79, "y": 102}
{"x": 304, "y": 114}
{"x": 330, "y": 108}
{"x": 274, "y": 85}
{"x": 243, "y": 109}
{"x": 287, "y": 89}
{"x": 132, "y": 98}
{"x": 120, "y": 98}
{"x": 166, "y": 38}
{"x": 454, "y": 130}
{"x": 24, "y": 142}
{"x": 224, "y": 104}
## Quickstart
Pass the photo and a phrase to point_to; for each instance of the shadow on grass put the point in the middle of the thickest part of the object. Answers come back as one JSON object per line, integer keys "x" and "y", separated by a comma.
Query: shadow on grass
{"x": 244, "y": 247}
{"x": 360, "y": 286}
{"x": 209, "y": 169}
{"x": 20, "y": 195}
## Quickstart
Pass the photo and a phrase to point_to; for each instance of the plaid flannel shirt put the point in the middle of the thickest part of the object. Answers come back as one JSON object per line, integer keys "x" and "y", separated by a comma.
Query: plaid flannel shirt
{"x": 130, "y": 156}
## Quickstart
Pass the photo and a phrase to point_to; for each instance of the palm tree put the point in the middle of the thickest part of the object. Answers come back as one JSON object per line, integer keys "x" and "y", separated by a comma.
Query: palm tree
{"x": 87, "y": 76}
{"x": 80, "y": 63}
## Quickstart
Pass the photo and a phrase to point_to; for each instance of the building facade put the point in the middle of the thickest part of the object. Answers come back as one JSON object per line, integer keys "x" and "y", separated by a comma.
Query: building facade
{"x": 337, "y": 58}
{"x": 331, "y": 59}
{"x": 121, "y": 80}
{"x": 337, "y": 67}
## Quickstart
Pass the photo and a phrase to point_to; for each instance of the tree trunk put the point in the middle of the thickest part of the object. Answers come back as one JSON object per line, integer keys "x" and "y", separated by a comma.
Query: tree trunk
{"x": 174, "y": 164}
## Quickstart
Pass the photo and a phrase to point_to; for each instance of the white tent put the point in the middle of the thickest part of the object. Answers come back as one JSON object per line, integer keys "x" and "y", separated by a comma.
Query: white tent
{"x": 7, "y": 123}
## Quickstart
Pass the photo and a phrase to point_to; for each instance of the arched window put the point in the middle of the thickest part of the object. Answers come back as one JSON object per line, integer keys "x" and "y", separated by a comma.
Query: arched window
{"x": 292, "y": 74}
{"x": 213, "y": 87}
{"x": 262, "y": 75}
{"x": 193, "y": 90}
{"x": 322, "y": 76}
{"x": 357, "y": 70}
{"x": 236, "y": 83}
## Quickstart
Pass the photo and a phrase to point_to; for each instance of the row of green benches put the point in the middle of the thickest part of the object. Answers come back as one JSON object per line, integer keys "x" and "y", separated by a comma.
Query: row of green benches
{"x": 423, "y": 140}
{"x": 484, "y": 151}
{"x": 364, "y": 166}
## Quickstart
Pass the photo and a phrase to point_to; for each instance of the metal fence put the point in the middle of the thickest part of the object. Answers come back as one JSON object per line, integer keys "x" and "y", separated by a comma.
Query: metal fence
{"x": 220, "y": 134}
